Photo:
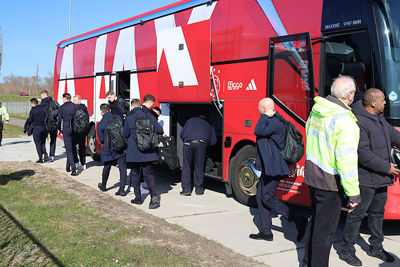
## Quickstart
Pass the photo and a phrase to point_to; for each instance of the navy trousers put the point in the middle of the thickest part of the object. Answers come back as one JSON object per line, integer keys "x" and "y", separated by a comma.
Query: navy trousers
{"x": 1, "y": 131}
{"x": 325, "y": 208}
{"x": 53, "y": 141}
{"x": 80, "y": 142}
{"x": 146, "y": 168}
{"x": 39, "y": 137}
{"x": 122, "y": 172}
{"x": 373, "y": 200}
{"x": 68, "y": 143}
{"x": 193, "y": 153}
{"x": 267, "y": 201}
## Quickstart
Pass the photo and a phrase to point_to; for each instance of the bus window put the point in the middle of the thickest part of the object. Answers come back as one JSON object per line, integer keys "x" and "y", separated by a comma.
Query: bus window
{"x": 123, "y": 84}
{"x": 349, "y": 54}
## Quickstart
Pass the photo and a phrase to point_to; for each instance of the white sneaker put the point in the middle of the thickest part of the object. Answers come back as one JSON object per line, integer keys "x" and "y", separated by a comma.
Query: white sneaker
{"x": 130, "y": 189}
{"x": 52, "y": 159}
{"x": 84, "y": 167}
{"x": 77, "y": 165}
{"x": 143, "y": 190}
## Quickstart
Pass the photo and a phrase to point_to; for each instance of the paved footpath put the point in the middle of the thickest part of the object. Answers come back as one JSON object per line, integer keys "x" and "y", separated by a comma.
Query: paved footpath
{"x": 212, "y": 215}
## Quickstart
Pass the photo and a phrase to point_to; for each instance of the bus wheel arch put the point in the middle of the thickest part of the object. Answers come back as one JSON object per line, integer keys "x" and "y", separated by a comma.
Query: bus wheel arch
{"x": 243, "y": 177}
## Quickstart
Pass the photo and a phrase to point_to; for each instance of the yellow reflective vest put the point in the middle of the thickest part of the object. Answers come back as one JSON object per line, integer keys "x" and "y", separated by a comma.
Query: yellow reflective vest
{"x": 332, "y": 136}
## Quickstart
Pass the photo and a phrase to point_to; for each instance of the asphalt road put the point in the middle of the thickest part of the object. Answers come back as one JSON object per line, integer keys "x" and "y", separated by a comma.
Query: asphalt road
{"x": 213, "y": 215}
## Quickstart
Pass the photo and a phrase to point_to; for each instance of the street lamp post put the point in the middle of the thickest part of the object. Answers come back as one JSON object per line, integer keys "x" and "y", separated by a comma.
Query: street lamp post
{"x": 69, "y": 28}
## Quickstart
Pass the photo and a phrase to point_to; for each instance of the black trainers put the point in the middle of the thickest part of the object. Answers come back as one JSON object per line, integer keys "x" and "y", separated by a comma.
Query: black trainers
{"x": 101, "y": 187}
{"x": 262, "y": 236}
{"x": 380, "y": 254}
{"x": 40, "y": 161}
{"x": 121, "y": 193}
{"x": 154, "y": 202}
{"x": 74, "y": 172}
{"x": 350, "y": 258}
{"x": 46, "y": 157}
{"x": 185, "y": 193}
{"x": 137, "y": 201}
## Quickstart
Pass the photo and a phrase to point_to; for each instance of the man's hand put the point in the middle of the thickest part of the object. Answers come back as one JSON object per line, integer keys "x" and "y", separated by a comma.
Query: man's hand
{"x": 7, "y": 122}
{"x": 270, "y": 113}
{"x": 393, "y": 170}
{"x": 351, "y": 206}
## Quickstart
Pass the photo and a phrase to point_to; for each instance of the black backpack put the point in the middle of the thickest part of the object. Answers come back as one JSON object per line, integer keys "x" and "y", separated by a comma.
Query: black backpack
{"x": 167, "y": 152}
{"x": 80, "y": 122}
{"x": 294, "y": 146}
{"x": 146, "y": 136}
{"x": 51, "y": 116}
{"x": 116, "y": 140}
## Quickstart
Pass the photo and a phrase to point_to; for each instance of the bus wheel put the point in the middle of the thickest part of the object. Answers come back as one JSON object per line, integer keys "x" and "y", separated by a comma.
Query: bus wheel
{"x": 244, "y": 176}
{"x": 91, "y": 144}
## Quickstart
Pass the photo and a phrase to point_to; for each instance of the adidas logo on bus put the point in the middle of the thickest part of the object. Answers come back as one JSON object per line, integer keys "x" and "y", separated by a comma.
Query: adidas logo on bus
{"x": 251, "y": 86}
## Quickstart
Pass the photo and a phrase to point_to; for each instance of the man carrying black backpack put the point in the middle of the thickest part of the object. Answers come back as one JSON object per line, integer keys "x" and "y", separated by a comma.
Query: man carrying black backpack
{"x": 118, "y": 105}
{"x": 107, "y": 131}
{"x": 141, "y": 150}
{"x": 80, "y": 127}
{"x": 51, "y": 109}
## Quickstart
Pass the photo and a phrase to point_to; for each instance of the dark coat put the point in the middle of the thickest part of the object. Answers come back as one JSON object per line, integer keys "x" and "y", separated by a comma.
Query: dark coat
{"x": 106, "y": 153}
{"x": 268, "y": 156}
{"x": 133, "y": 154}
{"x": 119, "y": 107}
{"x": 45, "y": 103}
{"x": 65, "y": 113}
{"x": 36, "y": 118}
{"x": 377, "y": 137}
{"x": 198, "y": 129}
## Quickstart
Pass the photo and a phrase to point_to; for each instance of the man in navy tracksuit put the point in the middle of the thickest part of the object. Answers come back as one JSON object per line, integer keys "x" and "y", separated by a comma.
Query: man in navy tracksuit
{"x": 197, "y": 135}
{"x": 65, "y": 114}
{"x": 45, "y": 103}
{"x": 138, "y": 161}
{"x": 270, "y": 135}
{"x": 108, "y": 156}
{"x": 36, "y": 122}
{"x": 79, "y": 139}
{"x": 118, "y": 105}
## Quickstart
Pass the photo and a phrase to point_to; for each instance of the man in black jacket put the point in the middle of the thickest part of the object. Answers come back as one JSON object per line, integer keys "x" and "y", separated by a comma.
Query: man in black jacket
{"x": 375, "y": 171}
{"x": 36, "y": 121}
{"x": 79, "y": 139}
{"x": 45, "y": 103}
{"x": 117, "y": 104}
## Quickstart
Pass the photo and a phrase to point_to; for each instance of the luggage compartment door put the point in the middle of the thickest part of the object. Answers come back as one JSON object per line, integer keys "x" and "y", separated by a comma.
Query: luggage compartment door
{"x": 183, "y": 63}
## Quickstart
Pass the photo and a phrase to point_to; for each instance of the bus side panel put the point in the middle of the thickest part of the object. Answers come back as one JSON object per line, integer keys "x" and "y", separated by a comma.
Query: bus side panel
{"x": 392, "y": 208}
{"x": 57, "y": 68}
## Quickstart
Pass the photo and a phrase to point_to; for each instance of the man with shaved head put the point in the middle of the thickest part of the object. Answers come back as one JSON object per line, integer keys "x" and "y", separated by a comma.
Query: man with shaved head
{"x": 270, "y": 133}
{"x": 375, "y": 172}
{"x": 331, "y": 166}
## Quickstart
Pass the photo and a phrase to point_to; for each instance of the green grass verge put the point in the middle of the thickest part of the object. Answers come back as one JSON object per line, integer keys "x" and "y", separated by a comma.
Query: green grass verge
{"x": 19, "y": 116}
{"x": 70, "y": 232}
{"x": 16, "y": 98}
{"x": 12, "y": 130}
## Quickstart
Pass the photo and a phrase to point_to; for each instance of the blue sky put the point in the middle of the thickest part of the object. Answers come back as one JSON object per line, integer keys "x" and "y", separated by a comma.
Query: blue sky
{"x": 32, "y": 29}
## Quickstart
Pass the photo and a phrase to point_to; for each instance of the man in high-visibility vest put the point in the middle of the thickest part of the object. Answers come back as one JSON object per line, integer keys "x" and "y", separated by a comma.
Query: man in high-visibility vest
{"x": 4, "y": 117}
{"x": 331, "y": 166}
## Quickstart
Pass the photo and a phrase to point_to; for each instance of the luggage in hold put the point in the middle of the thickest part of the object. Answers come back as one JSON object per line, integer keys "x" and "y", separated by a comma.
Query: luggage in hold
{"x": 51, "y": 116}
{"x": 147, "y": 138}
{"x": 167, "y": 152}
{"x": 116, "y": 140}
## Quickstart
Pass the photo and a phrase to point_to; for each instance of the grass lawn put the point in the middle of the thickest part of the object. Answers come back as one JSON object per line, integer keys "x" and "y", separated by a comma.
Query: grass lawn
{"x": 45, "y": 226}
{"x": 19, "y": 116}
{"x": 12, "y": 131}
{"x": 16, "y": 98}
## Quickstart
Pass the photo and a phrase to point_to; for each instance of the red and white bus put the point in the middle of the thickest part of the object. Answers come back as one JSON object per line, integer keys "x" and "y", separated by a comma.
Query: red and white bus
{"x": 225, "y": 56}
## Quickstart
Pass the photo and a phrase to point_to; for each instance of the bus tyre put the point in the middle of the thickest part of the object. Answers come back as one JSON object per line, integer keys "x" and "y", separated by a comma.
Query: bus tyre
{"x": 244, "y": 176}
{"x": 91, "y": 144}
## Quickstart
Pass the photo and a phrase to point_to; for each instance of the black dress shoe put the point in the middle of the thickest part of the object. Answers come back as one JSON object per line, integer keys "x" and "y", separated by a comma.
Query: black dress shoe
{"x": 40, "y": 161}
{"x": 262, "y": 236}
{"x": 68, "y": 169}
{"x": 121, "y": 193}
{"x": 46, "y": 157}
{"x": 200, "y": 193}
{"x": 380, "y": 254}
{"x": 185, "y": 193}
{"x": 74, "y": 172}
{"x": 101, "y": 187}
{"x": 137, "y": 201}
{"x": 350, "y": 258}
{"x": 154, "y": 202}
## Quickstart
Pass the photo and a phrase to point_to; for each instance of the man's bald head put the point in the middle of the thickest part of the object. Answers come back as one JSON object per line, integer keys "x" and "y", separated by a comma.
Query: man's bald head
{"x": 371, "y": 95}
{"x": 374, "y": 101}
{"x": 266, "y": 104}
